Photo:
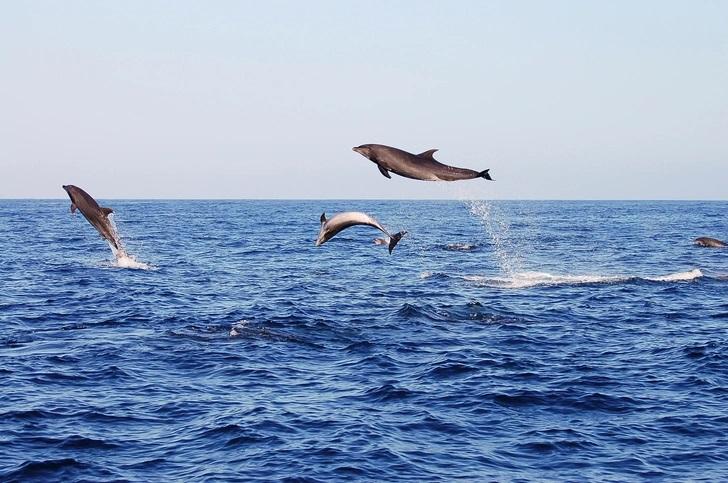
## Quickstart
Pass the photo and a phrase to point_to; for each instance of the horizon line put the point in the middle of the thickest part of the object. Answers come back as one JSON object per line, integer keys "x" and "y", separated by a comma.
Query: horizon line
{"x": 374, "y": 199}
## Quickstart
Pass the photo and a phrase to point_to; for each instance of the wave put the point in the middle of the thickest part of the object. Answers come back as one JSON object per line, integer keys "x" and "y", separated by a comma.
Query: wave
{"x": 533, "y": 279}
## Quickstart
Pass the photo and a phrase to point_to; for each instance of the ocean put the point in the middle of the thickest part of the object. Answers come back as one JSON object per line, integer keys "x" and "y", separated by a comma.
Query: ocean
{"x": 501, "y": 341}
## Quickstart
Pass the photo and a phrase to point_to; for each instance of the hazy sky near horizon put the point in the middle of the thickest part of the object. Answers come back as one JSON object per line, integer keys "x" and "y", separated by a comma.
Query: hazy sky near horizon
{"x": 179, "y": 99}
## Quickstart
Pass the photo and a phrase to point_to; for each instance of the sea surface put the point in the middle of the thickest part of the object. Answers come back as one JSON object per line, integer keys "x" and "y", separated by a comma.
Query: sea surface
{"x": 501, "y": 341}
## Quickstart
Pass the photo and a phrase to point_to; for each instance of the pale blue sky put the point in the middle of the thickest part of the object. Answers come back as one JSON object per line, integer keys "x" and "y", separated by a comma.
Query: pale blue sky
{"x": 560, "y": 99}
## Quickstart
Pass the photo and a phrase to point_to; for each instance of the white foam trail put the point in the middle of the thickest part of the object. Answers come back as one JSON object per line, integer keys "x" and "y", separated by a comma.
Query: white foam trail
{"x": 534, "y": 279}
{"x": 677, "y": 277}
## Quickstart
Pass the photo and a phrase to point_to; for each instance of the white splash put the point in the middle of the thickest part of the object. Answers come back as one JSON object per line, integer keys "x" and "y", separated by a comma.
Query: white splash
{"x": 123, "y": 260}
{"x": 237, "y": 327}
{"x": 509, "y": 259}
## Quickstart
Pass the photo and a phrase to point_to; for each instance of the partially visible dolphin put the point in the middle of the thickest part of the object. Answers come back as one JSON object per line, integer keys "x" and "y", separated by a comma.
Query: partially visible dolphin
{"x": 416, "y": 166}
{"x": 330, "y": 227}
{"x": 705, "y": 241}
{"x": 95, "y": 214}
{"x": 380, "y": 241}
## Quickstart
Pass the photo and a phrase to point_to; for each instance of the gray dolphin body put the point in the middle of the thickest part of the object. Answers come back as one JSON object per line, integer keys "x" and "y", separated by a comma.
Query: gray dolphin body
{"x": 705, "y": 241}
{"x": 330, "y": 227}
{"x": 95, "y": 214}
{"x": 421, "y": 166}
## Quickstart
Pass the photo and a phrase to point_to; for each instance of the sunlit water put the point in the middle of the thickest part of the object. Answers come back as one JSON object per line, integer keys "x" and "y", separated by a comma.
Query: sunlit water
{"x": 500, "y": 341}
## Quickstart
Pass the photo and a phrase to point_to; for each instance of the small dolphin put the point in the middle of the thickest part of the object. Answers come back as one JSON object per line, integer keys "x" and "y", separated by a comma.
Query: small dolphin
{"x": 330, "y": 227}
{"x": 380, "y": 241}
{"x": 416, "y": 166}
{"x": 95, "y": 214}
{"x": 705, "y": 241}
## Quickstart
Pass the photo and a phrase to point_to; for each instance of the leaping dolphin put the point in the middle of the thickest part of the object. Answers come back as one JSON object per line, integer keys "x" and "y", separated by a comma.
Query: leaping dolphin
{"x": 705, "y": 241}
{"x": 416, "y": 166}
{"x": 95, "y": 214}
{"x": 330, "y": 227}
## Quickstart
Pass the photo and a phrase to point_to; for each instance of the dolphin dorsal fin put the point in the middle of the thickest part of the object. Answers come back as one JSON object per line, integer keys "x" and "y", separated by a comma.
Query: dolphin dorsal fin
{"x": 323, "y": 217}
{"x": 107, "y": 211}
{"x": 429, "y": 154}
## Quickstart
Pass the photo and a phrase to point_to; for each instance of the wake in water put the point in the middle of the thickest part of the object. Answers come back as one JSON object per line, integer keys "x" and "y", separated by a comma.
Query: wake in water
{"x": 534, "y": 279}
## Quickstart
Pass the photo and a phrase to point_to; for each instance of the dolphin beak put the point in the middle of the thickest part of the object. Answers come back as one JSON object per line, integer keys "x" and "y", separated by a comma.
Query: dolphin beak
{"x": 356, "y": 150}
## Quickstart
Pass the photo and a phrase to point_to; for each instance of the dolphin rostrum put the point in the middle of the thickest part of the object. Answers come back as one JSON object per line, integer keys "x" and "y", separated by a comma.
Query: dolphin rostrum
{"x": 416, "y": 166}
{"x": 705, "y": 241}
{"x": 330, "y": 227}
{"x": 95, "y": 214}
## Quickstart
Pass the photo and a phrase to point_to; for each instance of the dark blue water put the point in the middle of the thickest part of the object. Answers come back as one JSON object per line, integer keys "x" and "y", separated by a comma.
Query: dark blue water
{"x": 500, "y": 341}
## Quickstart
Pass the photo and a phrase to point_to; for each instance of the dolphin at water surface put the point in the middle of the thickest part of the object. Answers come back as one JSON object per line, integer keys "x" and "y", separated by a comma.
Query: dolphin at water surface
{"x": 95, "y": 214}
{"x": 421, "y": 166}
{"x": 705, "y": 241}
{"x": 330, "y": 227}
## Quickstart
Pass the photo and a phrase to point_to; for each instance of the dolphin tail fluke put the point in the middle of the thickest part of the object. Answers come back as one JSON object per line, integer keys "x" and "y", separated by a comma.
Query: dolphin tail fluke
{"x": 394, "y": 239}
{"x": 486, "y": 175}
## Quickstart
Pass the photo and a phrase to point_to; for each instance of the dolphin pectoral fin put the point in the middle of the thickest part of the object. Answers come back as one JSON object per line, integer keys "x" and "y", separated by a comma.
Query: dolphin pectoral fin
{"x": 384, "y": 172}
{"x": 323, "y": 217}
{"x": 107, "y": 211}
{"x": 73, "y": 207}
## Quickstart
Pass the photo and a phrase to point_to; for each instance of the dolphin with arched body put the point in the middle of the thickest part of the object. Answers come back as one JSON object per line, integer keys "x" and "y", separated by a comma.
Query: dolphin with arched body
{"x": 706, "y": 241}
{"x": 95, "y": 214}
{"x": 421, "y": 166}
{"x": 331, "y": 226}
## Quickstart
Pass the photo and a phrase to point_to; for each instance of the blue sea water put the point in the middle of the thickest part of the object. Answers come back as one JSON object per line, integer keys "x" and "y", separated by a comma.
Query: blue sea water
{"x": 507, "y": 341}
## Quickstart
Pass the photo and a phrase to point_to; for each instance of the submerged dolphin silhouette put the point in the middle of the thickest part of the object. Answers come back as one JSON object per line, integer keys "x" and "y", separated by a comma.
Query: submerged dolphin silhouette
{"x": 95, "y": 214}
{"x": 706, "y": 241}
{"x": 416, "y": 166}
{"x": 330, "y": 227}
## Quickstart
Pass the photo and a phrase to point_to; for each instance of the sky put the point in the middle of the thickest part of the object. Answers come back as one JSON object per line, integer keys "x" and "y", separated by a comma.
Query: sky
{"x": 235, "y": 99}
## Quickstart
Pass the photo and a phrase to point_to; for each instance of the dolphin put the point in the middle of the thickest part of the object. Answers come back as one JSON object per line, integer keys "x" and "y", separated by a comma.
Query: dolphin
{"x": 380, "y": 241}
{"x": 95, "y": 214}
{"x": 416, "y": 166}
{"x": 705, "y": 241}
{"x": 330, "y": 227}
